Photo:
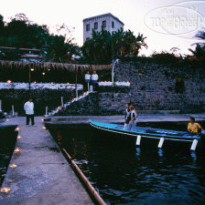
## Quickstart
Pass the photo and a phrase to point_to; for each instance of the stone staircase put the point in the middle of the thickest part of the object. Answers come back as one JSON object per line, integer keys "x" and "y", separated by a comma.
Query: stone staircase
{"x": 61, "y": 108}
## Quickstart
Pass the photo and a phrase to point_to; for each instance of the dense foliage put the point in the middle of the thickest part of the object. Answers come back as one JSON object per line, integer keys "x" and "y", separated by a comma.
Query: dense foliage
{"x": 103, "y": 47}
{"x": 21, "y": 33}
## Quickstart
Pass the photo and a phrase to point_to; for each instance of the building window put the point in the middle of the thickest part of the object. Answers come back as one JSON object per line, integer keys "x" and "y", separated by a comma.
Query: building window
{"x": 87, "y": 27}
{"x": 104, "y": 24}
{"x": 96, "y": 25}
{"x": 113, "y": 24}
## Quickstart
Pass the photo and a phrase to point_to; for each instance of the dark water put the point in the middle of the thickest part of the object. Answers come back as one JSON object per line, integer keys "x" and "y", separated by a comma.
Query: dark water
{"x": 7, "y": 143}
{"x": 131, "y": 175}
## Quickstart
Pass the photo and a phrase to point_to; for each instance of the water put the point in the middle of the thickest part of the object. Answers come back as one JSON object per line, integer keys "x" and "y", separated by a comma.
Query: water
{"x": 137, "y": 175}
{"x": 7, "y": 143}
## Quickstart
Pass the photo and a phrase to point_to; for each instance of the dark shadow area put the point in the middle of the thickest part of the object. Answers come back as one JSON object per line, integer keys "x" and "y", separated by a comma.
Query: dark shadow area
{"x": 7, "y": 143}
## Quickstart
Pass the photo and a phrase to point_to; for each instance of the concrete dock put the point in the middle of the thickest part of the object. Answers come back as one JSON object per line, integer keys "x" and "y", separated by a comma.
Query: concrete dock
{"x": 121, "y": 118}
{"x": 42, "y": 176}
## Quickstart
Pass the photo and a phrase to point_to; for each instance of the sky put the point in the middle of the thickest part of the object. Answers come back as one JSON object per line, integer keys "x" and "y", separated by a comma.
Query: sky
{"x": 166, "y": 24}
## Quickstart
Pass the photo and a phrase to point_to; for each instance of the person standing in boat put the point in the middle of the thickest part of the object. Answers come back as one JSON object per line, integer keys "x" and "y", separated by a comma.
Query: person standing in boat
{"x": 127, "y": 117}
{"x": 29, "y": 110}
{"x": 133, "y": 121}
{"x": 194, "y": 127}
{"x": 94, "y": 79}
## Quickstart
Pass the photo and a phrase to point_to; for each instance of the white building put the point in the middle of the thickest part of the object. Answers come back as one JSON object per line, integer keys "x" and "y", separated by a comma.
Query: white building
{"x": 106, "y": 21}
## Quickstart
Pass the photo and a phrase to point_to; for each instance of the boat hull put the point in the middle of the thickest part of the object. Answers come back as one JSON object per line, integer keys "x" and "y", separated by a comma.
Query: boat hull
{"x": 134, "y": 136}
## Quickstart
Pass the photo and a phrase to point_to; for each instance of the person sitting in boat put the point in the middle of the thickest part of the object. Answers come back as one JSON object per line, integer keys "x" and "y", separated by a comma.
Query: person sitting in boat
{"x": 194, "y": 127}
{"x": 133, "y": 121}
{"x": 127, "y": 116}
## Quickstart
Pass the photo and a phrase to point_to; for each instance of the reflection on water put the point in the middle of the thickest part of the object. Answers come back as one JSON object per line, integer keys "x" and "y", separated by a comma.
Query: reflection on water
{"x": 7, "y": 143}
{"x": 136, "y": 175}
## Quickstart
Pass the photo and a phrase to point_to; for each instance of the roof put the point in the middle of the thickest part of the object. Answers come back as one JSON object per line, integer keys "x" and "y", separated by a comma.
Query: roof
{"x": 17, "y": 65}
{"x": 21, "y": 49}
{"x": 104, "y": 15}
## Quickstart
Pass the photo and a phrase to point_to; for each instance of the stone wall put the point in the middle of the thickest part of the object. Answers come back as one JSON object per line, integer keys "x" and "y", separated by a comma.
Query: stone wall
{"x": 154, "y": 87}
{"x": 107, "y": 101}
{"x": 157, "y": 86}
{"x": 176, "y": 87}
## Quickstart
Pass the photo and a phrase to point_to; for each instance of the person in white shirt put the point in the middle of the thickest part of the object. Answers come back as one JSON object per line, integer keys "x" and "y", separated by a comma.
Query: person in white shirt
{"x": 87, "y": 79}
{"x": 94, "y": 79}
{"x": 29, "y": 110}
{"x": 133, "y": 121}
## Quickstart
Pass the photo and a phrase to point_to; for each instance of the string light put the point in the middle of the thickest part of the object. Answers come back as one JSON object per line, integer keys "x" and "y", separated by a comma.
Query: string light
{"x": 59, "y": 107}
{"x": 34, "y": 82}
{"x": 13, "y": 166}
{"x": 44, "y": 128}
{"x": 32, "y": 69}
{"x": 5, "y": 190}
{"x": 17, "y": 150}
{"x": 85, "y": 93}
{"x": 19, "y": 137}
{"x": 7, "y": 119}
{"x": 8, "y": 81}
{"x": 68, "y": 83}
{"x": 51, "y": 83}
{"x": 42, "y": 120}
{"x": 43, "y": 73}
{"x": 17, "y": 129}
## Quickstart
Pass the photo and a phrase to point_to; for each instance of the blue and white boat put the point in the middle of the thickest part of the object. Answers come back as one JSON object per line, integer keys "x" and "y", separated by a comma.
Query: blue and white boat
{"x": 135, "y": 135}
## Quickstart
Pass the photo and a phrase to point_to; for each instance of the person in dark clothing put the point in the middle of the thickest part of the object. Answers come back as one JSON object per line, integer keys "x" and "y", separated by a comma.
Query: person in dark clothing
{"x": 127, "y": 116}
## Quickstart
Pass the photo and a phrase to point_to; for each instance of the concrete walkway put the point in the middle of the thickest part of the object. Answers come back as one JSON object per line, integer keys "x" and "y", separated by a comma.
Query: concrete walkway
{"x": 42, "y": 175}
{"x": 121, "y": 118}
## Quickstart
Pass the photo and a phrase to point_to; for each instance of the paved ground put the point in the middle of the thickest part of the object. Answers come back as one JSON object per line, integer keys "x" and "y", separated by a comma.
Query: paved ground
{"x": 43, "y": 176}
{"x": 120, "y": 118}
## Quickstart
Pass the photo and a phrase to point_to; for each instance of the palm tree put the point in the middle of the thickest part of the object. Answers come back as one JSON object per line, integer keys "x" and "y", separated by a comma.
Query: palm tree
{"x": 103, "y": 47}
{"x": 199, "y": 52}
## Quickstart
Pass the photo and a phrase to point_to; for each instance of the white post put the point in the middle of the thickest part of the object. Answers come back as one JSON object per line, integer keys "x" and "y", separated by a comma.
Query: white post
{"x": 62, "y": 103}
{"x": 138, "y": 140}
{"x": 194, "y": 145}
{"x": 76, "y": 93}
{"x": 161, "y": 142}
{"x": 0, "y": 105}
{"x": 88, "y": 87}
{"x": 46, "y": 114}
{"x": 13, "y": 112}
{"x": 113, "y": 70}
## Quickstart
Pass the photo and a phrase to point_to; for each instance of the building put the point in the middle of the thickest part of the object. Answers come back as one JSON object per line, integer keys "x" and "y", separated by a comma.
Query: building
{"x": 106, "y": 21}
{"x": 23, "y": 54}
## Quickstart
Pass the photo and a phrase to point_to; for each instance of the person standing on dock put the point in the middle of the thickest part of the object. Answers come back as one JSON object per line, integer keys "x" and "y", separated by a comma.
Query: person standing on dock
{"x": 133, "y": 121}
{"x": 194, "y": 127}
{"x": 87, "y": 79}
{"x": 29, "y": 110}
{"x": 94, "y": 79}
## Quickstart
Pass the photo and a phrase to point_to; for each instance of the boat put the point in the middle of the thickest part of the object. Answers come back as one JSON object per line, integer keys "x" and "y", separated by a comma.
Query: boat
{"x": 135, "y": 135}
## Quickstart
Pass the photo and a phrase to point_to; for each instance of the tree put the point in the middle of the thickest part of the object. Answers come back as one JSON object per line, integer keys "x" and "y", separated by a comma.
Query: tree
{"x": 21, "y": 33}
{"x": 1, "y": 24}
{"x": 199, "y": 52}
{"x": 103, "y": 47}
{"x": 58, "y": 50}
